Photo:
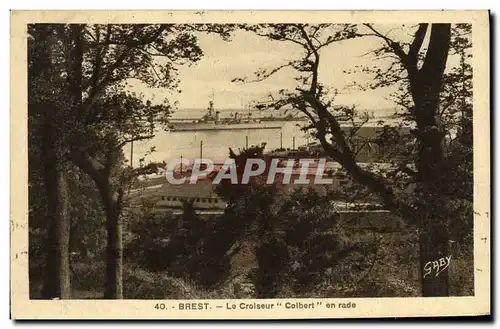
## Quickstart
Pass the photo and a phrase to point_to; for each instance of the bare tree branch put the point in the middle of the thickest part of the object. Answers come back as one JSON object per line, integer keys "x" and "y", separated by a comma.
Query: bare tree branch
{"x": 417, "y": 42}
{"x": 138, "y": 138}
{"x": 396, "y": 47}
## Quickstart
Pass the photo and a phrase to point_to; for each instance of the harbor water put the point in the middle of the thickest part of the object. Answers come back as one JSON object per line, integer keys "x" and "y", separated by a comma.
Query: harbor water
{"x": 215, "y": 144}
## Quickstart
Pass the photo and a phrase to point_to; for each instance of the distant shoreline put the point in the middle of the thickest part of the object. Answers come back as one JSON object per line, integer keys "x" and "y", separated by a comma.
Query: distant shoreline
{"x": 197, "y": 113}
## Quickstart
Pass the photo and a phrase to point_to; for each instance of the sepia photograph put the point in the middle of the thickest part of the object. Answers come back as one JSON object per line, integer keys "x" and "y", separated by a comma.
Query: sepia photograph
{"x": 267, "y": 165}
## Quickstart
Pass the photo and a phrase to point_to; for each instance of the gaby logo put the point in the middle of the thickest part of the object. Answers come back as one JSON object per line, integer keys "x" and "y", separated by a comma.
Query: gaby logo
{"x": 267, "y": 171}
{"x": 437, "y": 266}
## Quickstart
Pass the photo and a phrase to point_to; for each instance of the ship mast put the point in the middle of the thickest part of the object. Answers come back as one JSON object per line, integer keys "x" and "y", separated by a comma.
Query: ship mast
{"x": 243, "y": 106}
{"x": 211, "y": 105}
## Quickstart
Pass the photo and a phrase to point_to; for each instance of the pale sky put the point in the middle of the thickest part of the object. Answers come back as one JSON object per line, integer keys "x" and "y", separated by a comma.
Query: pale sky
{"x": 246, "y": 53}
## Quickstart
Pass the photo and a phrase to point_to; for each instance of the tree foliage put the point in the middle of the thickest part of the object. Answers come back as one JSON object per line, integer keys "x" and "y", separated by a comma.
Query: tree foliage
{"x": 426, "y": 93}
{"x": 79, "y": 73}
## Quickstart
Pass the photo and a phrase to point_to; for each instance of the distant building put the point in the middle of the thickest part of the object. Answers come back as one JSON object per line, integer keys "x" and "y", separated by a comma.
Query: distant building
{"x": 366, "y": 143}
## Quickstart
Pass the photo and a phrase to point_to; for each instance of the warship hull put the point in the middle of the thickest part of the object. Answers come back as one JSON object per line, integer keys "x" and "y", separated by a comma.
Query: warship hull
{"x": 224, "y": 126}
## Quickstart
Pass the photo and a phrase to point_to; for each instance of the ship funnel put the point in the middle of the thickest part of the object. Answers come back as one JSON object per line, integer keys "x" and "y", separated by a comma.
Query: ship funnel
{"x": 210, "y": 108}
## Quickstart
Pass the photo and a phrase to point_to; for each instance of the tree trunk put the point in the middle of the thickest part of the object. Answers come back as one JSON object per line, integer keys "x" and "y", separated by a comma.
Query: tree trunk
{"x": 434, "y": 259}
{"x": 56, "y": 276}
{"x": 114, "y": 253}
{"x": 77, "y": 245}
{"x": 434, "y": 229}
{"x": 112, "y": 205}
{"x": 56, "y": 281}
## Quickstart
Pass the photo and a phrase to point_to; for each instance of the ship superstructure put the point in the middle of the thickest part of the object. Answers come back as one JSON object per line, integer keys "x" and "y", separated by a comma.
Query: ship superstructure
{"x": 212, "y": 120}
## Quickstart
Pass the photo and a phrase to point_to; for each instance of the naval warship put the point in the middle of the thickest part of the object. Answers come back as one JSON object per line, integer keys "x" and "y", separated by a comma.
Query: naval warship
{"x": 213, "y": 121}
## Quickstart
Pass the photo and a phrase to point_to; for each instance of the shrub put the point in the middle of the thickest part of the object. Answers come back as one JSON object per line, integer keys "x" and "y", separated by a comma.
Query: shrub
{"x": 141, "y": 284}
{"x": 89, "y": 279}
{"x": 272, "y": 258}
{"x": 88, "y": 276}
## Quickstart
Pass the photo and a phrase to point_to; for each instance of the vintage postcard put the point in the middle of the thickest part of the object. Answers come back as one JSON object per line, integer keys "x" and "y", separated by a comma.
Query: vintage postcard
{"x": 250, "y": 164}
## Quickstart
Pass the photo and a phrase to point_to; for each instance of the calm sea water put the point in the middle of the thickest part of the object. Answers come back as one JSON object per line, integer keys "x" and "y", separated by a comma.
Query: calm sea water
{"x": 216, "y": 144}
